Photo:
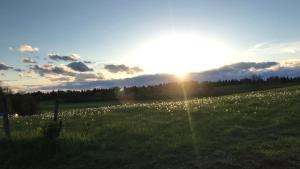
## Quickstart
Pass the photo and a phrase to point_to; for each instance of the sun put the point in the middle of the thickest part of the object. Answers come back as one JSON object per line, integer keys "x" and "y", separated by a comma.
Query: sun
{"x": 180, "y": 53}
{"x": 180, "y": 74}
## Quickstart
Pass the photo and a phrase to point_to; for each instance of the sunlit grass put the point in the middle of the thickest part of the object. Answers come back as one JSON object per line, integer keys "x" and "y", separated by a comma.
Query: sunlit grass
{"x": 250, "y": 130}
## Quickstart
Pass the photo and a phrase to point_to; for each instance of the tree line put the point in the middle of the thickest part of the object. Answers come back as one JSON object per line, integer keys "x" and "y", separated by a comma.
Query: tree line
{"x": 26, "y": 103}
{"x": 172, "y": 90}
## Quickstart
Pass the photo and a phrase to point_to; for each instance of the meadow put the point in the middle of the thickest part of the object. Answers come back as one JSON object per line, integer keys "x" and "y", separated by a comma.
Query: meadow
{"x": 249, "y": 130}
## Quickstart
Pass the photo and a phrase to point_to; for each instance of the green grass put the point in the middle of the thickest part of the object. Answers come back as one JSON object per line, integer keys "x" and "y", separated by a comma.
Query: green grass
{"x": 249, "y": 130}
{"x": 47, "y": 106}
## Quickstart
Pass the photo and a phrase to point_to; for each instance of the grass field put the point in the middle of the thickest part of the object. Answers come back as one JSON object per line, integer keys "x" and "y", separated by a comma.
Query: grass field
{"x": 47, "y": 106}
{"x": 249, "y": 131}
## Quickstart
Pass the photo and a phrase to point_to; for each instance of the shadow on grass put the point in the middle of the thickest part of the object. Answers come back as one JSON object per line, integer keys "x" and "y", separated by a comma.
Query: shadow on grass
{"x": 40, "y": 153}
{"x": 28, "y": 153}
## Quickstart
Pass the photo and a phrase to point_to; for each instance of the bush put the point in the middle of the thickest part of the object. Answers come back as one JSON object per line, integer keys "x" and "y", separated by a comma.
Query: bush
{"x": 52, "y": 130}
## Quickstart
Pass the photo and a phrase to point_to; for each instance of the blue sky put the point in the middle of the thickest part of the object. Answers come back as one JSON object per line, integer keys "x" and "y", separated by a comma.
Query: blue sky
{"x": 106, "y": 32}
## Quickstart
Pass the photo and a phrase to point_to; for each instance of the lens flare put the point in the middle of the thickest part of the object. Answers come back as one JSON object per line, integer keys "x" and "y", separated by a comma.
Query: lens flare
{"x": 186, "y": 104}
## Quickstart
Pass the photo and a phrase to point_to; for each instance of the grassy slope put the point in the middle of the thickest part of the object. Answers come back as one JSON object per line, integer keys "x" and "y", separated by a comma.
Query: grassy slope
{"x": 250, "y": 130}
{"x": 45, "y": 106}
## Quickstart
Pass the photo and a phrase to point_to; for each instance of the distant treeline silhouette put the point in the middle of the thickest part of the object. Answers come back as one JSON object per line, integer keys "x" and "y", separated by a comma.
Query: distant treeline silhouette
{"x": 26, "y": 103}
{"x": 167, "y": 91}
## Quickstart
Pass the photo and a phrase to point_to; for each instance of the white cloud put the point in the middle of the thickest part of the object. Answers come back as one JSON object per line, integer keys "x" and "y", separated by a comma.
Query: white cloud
{"x": 25, "y": 48}
{"x": 273, "y": 48}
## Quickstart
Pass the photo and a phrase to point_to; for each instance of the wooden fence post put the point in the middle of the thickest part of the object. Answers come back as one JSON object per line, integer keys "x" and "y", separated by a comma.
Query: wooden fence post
{"x": 6, "y": 126}
{"x": 55, "y": 111}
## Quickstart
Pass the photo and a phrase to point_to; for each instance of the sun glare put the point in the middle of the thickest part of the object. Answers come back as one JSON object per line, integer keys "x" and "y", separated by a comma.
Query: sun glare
{"x": 180, "y": 74}
{"x": 180, "y": 53}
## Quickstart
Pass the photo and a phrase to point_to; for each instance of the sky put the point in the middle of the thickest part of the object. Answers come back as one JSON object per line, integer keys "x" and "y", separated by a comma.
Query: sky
{"x": 58, "y": 42}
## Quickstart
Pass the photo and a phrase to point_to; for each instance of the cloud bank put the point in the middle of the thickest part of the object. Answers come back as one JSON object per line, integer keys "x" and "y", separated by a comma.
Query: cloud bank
{"x": 290, "y": 68}
{"x": 142, "y": 80}
{"x": 64, "y": 73}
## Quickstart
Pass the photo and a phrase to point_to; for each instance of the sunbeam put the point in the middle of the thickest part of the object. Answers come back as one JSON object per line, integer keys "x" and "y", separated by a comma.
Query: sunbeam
{"x": 186, "y": 104}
